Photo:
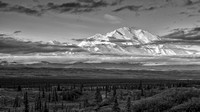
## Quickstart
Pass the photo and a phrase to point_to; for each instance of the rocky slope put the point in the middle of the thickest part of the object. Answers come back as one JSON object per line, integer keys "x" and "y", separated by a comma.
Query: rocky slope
{"x": 131, "y": 41}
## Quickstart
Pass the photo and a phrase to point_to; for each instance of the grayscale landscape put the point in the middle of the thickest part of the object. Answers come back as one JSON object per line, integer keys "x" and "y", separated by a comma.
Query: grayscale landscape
{"x": 100, "y": 56}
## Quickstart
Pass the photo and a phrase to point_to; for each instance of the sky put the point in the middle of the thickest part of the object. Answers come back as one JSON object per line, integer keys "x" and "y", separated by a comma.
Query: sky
{"x": 65, "y": 20}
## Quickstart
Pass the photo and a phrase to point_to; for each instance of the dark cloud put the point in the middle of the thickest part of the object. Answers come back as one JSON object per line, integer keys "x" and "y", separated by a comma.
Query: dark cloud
{"x": 15, "y": 32}
{"x": 21, "y": 9}
{"x": 117, "y": 2}
{"x": 188, "y": 2}
{"x": 36, "y": 1}
{"x": 2, "y": 35}
{"x": 113, "y": 40}
{"x": 175, "y": 42}
{"x": 184, "y": 35}
{"x": 184, "y": 13}
{"x": 10, "y": 45}
{"x": 129, "y": 7}
{"x": 101, "y": 2}
{"x": 119, "y": 40}
{"x": 5, "y": 7}
{"x": 78, "y": 40}
{"x": 150, "y": 8}
{"x": 77, "y": 6}
{"x": 80, "y": 6}
{"x": 193, "y": 15}
{"x": 189, "y": 14}
{"x": 183, "y": 2}
{"x": 85, "y": 1}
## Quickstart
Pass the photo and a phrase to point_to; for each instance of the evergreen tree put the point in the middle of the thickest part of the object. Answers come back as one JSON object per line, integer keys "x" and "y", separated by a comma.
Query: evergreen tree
{"x": 81, "y": 88}
{"x": 54, "y": 95}
{"x": 128, "y": 105}
{"x": 26, "y": 105}
{"x": 16, "y": 102}
{"x": 121, "y": 95}
{"x": 86, "y": 103}
{"x": 43, "y": 93}
{"x": 38, "y": 103}
{"x": 106, "y": 91}
{"x": 49, "y": 97}
{"x": 19, "y": 88}
{"x": 98, "y": 96}
{"x": 141, "y": 88}
{"x": 32, "y": 110}
{"x": 45, "y": 107}
{"x": 115, "y": 107}
{"x": 58, "y": 87}
{"x": 114, "y": 91}
{"x": 62, "y": 105}
{"x": 142, "y": 92}
{"x": 140, "y": 85}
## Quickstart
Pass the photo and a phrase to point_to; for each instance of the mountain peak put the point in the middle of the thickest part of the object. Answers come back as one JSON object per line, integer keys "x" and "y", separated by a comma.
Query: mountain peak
{"x": 138, "y": 35}
{"x": 131, "y": 41}
{"x": 135, "y": 35}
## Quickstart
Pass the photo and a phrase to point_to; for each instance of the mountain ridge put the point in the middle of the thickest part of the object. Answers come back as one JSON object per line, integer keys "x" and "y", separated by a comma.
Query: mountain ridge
{"x": 133, "y": 42}
{"x": 125, "y": 41}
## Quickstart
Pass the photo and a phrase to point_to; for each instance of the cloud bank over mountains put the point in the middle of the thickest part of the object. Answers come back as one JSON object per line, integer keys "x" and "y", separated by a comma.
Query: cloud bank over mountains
{"x": 14, "y": 46}
{"x": 121, "y": 42}
{"x": 87, "y": 6}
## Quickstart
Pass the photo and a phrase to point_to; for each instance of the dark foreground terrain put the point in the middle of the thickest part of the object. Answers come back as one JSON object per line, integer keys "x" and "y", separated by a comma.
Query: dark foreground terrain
{"x": 98, "y": 90}
{"x": 98, "y": 95}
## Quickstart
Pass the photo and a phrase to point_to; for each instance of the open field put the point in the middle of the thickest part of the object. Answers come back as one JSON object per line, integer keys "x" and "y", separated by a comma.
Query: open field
{"x": 87, "y": 73}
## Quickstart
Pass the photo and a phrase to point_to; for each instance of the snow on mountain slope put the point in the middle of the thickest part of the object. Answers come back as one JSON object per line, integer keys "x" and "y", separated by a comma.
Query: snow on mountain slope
{"x": 130, "y": 41}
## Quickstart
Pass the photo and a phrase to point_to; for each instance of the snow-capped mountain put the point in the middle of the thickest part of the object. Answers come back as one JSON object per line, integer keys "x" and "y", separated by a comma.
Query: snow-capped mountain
{"x": 131, "y": 41}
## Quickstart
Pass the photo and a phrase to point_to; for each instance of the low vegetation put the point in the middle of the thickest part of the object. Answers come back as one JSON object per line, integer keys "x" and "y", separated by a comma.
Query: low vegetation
{"x": 95, "y": 96}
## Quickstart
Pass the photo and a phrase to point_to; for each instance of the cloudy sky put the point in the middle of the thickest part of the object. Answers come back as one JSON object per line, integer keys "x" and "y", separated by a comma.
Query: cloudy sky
{"x": 64, "y": 20}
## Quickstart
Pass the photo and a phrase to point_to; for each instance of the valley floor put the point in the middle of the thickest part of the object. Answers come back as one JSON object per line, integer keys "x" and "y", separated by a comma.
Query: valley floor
{"x": 90, "y": 73}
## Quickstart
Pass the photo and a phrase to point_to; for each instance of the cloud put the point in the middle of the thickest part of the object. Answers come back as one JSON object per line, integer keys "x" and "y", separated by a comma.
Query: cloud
{"x": 117, "y": 2}
{"x": 185, "y": 35}
{"x": 112, "y": 19}
{"x": 79, "y": 40}
{"x": 128, "y": 7}
{"x": 5, "y": 7}
{"x": 110, "y": 2}
{"x": 183, "y": 2}
{"x": 69, "y": 7}
{"x": 16, "y": 32}
{"x": 36, "y": 1}
{"x": 151, "y": 8}
{"x": 21, "y": 9}
{"x": 11, "y": 45}
{"x": 76, "y": 6}
{"x": 1, "y": 35}
{"x": 80, "y": 6}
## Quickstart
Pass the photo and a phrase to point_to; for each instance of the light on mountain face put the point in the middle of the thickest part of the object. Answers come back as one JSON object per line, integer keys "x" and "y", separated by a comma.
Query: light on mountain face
{"x": 126, "y": 41}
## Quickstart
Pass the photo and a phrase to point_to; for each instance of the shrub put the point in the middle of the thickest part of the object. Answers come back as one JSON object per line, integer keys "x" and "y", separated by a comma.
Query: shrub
{"x": 165, "y": 100}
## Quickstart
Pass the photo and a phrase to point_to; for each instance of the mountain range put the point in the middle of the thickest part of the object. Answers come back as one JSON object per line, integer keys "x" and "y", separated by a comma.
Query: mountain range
{"x": 124, "y": 45}
{"x": 132, "y": 41}
{"x": 120, "y": 42}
